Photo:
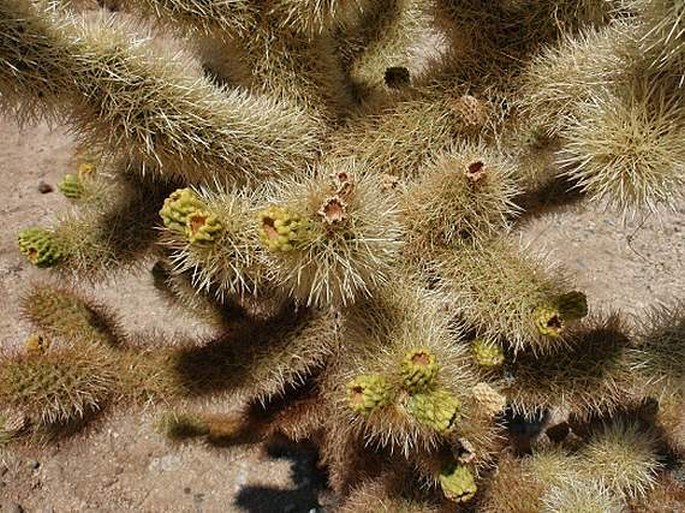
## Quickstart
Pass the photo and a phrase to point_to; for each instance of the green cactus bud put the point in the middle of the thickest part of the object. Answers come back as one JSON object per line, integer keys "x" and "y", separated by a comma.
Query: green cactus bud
{"x": 550, "y": 318}
{"x": 37, "y": 344}
{"x": 458, "y": 483}
{"x": 71, "y": 186}
{"x": 86, "y": 169}
{"x": 487, "y": 354}
{"x": 40, "y": 247}
{"x": 202, "y": 227}
{"x": 368, "y": 392}
{"x": 419, "y": 368}
{"x": 437, "y": 409}
{"x": 177, "y": 207}
{"x": 281, "y": 229}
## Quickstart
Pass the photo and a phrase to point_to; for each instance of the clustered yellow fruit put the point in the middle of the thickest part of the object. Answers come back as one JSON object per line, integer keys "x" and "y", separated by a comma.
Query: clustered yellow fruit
{"x": 184, "y": 213}
{"x": 458, "y": 483}
{"x": 71, "y": 186}
{"x": 550, "y": 318}
{"x": 281, "y": 229}
{"x": 418, "y": 369}
{"x": 436, "y": 409}
{"x": 202, "y": 227}
{"x": 40, "y": 247}
{"x": 368, "y": 392}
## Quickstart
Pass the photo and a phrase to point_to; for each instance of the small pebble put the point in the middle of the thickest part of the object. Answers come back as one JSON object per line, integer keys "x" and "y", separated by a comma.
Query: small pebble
{"x": 34, "y": 464}
{"x": 186, "y": 490}
{"x": 44, "y": 187}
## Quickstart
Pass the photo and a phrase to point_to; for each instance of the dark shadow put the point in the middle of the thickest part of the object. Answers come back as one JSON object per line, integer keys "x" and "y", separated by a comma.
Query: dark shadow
{"x": 308, "y": 481}
{"x": 553, "y": 195}
{"x": 397, "y": 77}
{"x": 229, "y": 361}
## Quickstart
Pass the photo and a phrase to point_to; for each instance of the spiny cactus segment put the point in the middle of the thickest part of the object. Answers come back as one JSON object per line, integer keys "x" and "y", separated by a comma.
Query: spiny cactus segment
{"x": 340, "y": 197}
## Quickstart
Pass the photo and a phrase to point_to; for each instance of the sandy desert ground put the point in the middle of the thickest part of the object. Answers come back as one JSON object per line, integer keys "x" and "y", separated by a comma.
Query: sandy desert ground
{"x": 122, "y": 465}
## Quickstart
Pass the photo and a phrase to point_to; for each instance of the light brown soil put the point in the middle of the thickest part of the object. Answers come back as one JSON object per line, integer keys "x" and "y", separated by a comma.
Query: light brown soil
{"x": 122, "y": 465}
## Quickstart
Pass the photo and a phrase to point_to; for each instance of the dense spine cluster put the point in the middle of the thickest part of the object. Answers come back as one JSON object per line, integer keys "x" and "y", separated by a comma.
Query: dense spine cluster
{"x": 335, "y": 185}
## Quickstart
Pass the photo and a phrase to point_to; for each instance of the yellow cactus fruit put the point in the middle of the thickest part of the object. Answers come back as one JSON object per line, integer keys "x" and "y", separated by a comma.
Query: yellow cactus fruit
{"x": 86, "y": 167}
{"x": 550, "y": 318}
{"x": 419, "y": 368}
{"x": 71, "y": 187}
{"x": 458, "y": 483}
{"x": 177, "y": 207}
{"x": 368, "y": 392}
{"x": 489, "y": 399}
{"x": 436, "y": 409}
{"x": 548, "y": 321}
{"x": 487, "y": 354}
{"x": 37, "y": 344}
{"x": 281, "y": 229}
{"x": 40, "y": 247}
{"x": 202, "y": 227}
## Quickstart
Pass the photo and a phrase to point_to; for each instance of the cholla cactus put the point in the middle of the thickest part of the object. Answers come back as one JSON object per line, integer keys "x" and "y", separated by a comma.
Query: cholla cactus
{"x": 334, "y": 185}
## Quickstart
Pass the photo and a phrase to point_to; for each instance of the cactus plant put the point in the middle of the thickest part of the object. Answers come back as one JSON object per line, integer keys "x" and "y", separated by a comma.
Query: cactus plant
{"x": 335, "y": 186}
